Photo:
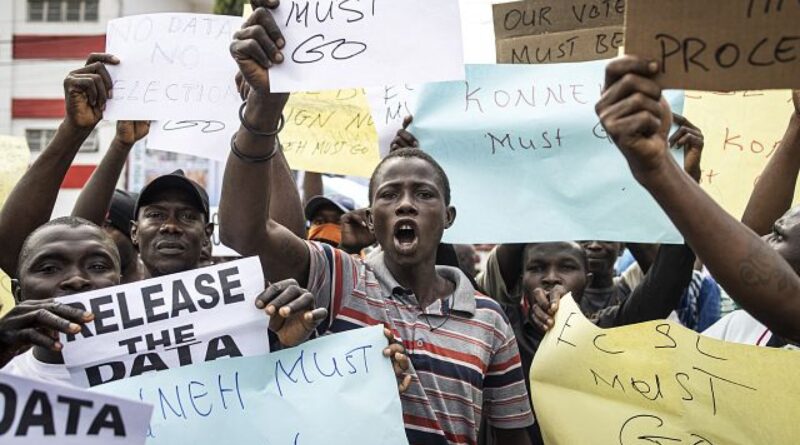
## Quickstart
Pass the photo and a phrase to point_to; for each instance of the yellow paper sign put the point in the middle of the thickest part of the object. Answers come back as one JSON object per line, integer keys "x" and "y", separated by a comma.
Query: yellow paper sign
{"x": 330, "y": 131}
{"x": 660, "y": 383}
{"x": 14, "y": 157}
{"x": 742, "y": 131}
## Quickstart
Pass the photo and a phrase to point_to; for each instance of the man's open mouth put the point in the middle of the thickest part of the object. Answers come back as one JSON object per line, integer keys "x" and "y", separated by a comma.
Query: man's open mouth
{"x": 405, "y": 237}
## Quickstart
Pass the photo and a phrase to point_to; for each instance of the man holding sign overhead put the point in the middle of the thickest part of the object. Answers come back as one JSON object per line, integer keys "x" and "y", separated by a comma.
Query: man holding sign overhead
{"x": 464, "y": 355}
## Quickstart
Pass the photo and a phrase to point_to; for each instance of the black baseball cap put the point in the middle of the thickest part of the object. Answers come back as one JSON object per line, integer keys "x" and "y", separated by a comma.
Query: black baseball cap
{"x": 174, "y": 180}
{"x": 343, "y": 203}
{"x": 121, "y": 212}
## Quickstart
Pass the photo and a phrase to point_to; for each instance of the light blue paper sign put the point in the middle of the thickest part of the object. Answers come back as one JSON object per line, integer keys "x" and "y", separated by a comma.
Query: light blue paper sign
{"x": 338, "y": 389}
{"x": 529, "y": 161}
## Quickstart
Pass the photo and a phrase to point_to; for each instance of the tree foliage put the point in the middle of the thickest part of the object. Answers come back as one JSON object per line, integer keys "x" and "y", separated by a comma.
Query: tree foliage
{"x": 229, "y": 7}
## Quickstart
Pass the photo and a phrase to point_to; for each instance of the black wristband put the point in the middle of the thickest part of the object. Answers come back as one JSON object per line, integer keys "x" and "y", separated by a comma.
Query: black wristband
{"x": 253, "y": 159}
{"x": 275, "y": 132}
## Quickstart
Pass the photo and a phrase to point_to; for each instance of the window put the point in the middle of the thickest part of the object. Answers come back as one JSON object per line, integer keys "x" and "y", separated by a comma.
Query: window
{"x": 39, "y": 138}
{"x": 63, "y": 10}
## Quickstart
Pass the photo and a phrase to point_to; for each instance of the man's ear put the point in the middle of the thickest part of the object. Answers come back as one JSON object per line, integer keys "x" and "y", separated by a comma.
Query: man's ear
{"x": 368, "y": 217}
{"x": 209, "y": 231}
{"x": 134, "y": 234}
{"x": 450, "y": 217}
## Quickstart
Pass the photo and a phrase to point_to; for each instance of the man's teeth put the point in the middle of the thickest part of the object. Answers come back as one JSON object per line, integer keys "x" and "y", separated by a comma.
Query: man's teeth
{"x": 406, "y": 227}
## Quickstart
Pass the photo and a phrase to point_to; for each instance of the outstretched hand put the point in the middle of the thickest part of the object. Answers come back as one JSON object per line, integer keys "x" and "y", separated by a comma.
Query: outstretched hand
{"x": 691, "y": 139}
{"x": 400, "y": 363}
{"x": 87, "y": 89}
{"x": 292, "y": 311}
{"x": 131, "y": 132}
{"x": 37, "y": 323}
{"x": 633, "y": 114}
{"x": 404, "y": 138}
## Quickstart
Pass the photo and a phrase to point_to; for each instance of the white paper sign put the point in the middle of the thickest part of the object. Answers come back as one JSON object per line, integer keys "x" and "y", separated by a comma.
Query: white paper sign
{"x": 197, "y": 137}
{"x": 349, "y": 44}
{"x": 167, "y": 322}
{"x": 217, "y": 248}
{"x": 35, "y": 412}
{"x": 172, "y": 66}
{"x": 389, "y": 105}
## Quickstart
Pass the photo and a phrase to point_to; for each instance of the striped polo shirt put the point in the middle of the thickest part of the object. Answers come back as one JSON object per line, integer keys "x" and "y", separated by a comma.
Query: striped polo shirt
{"x": 464, "y": 358}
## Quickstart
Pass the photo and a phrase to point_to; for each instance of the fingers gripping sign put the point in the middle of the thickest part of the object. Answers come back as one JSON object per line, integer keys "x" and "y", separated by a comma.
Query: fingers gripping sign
{"x": 37, "y": 323}
{"x": 400, "y": 362}
{"x": 544, "y": 305}
{"x": 257, "y": 46}
{"x": 633, "y": 114}
{"x": 87, "y": 89}
{"x": 292, "y": 310}
{"x": 691, "y": 139}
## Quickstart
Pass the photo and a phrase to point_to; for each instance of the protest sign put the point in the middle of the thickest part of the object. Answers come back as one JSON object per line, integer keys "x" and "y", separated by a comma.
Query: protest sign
{"x": 217, "y": 248}
{"x": 338, "y": 389}
{"x": 533, "y": 17}
{"x": 742, "y": 131}
{"x": 333, "y": 45}
{"x": 529, "y": 161}
{"x": 717, "y": 45}
{"x": 659, "y": 382}
{"x": 197, "y": 137}
{"x": 35, "y": 412}
{"x": 166, "y": 322}
{"x": 14, "y": 156}
{"x": 390, "y": 104}
{"x": 173, "y": 66}
{"x": 330, "y": 132}
{"x": 572, "y": 46}
{"x": 547, "y": 31}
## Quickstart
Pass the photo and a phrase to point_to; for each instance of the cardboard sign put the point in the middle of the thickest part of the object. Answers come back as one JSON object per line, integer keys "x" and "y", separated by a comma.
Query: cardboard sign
{"x": 14, "y": 157}
{"x": 742, "y": 131}
{"x": 659, "y": 382}
{"x": 167, "y": 322}
{"x": 33, "y": 412}
{"x": 174, "y": 66}
{"x": 529, "y": 161}
{"x": 332, "y": 45}
{"x": 571, "y": 46}
{"x": 330, "y": 132}
{"x": 338, "y": 389}
{"x": 534, "y": 17}
{"x": 718, "y": 45}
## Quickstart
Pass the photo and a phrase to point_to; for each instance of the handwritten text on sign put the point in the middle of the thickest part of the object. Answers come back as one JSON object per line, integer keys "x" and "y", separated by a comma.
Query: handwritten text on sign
{"x": 344, "y": 44}
{"x": 659, "y": 382}
{"x": 718, "y": 45}
{"x": 302, "y": 395}
{"x": 166, "y": 322}
{"x": 173, "y": 66}
{"x": 523, "y": 143}
{"x": 534, "y": 17}
{"x": 34, "y": 412}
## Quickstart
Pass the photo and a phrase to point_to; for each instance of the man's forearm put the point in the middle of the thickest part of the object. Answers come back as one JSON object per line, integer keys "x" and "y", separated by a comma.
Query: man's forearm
{"x": 95, "y": 198}
{"x": 286, "y": 207}
{"x": 746, "y": 267}
{"x": 774, "y": 191}
{"x": 31, "y": 202}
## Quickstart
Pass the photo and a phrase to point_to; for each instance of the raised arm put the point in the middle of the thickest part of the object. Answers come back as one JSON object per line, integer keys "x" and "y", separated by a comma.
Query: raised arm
{"x": 95, "y": 198}
{"x": 774, "y": 190}
{"x": 759, "y": 279}
{"x": 31, "y": 202}
{"x": 248, "y": 225}
{"x": 312, "y": 186}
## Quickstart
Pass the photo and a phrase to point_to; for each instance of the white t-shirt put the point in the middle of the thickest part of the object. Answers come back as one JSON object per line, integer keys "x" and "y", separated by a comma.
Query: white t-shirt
{"x": 26, "y": 365}
{"x": 741, "y": 327}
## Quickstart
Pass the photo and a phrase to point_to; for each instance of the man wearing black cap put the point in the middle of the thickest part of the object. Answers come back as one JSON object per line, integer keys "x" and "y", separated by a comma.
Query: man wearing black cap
{"x": 118, "y": 226}
{"x": 172, "y": 224}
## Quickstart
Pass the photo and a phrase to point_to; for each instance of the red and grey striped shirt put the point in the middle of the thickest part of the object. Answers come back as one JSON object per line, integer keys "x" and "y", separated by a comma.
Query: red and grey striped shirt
{"x": 464, "y": 358}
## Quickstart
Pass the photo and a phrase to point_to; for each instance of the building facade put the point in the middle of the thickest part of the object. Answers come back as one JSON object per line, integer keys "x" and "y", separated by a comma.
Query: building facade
{"x": 40, "y": 42}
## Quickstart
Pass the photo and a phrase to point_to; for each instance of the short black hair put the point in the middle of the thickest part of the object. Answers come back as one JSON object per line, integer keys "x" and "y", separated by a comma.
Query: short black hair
{"x": 71, "y": 222}
{"x": 573, "y": 244}
{"x": 409, "y": 153}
